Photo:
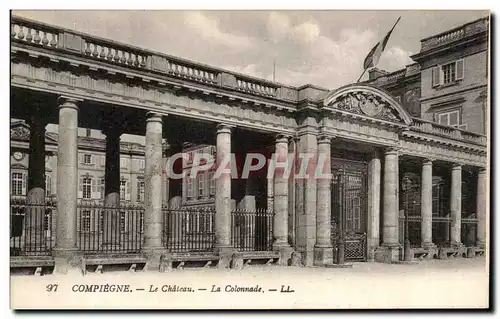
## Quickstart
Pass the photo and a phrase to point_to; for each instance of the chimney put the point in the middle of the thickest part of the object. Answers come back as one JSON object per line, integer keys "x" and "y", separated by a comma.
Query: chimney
{"x": 375, "y": 73}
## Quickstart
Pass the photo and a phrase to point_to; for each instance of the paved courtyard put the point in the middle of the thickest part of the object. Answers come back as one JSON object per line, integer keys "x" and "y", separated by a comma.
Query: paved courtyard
{"x": 437, "y": 283}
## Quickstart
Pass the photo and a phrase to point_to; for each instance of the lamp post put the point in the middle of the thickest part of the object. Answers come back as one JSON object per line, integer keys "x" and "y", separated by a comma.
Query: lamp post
{"x": 406, "y": 189}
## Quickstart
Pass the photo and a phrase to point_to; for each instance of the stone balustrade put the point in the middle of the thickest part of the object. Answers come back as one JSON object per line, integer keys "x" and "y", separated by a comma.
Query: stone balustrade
{"x": 447, "y": 131}
{"x": 474, "y": 27}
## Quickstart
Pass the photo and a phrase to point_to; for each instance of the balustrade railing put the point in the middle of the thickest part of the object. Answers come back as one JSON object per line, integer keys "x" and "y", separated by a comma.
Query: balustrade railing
{"x": 189, "y": 230}
{"x": 103, "y": 229}
{"x": 113, "y": 52}
{"x": 449, "y": 36}
{"x": 255, "y": 87}
{"x": 34, "y": 33}
{"x": 447, "y": 131}
{"x": 32, "y": 229}
{"x": 252, "y": 230}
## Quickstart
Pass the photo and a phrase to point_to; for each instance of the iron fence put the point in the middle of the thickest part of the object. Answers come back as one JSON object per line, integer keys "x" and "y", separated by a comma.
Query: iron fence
{"x": 189, "y": 229}
{"x": 252, "y": 230}
{"x": 32, "y": 229}
{"x": 103, "y": 229}
{"x": 469, "y": 231}
{"x": 414, "y": 230}
{"x": 441, "y": 230}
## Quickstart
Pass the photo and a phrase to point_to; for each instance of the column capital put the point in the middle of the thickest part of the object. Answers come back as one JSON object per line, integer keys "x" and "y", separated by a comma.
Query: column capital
{"x": 112, "y": 129}
{"x": 456, "y": 166}
{"x": 427, "y": 161}
{"x": 154, "y": 117}
{"x": 283, "y": 138}
{"x": 324, "y": 139}
{"x": 393, "y": 150}
{"x": 482, "y": 170}
{"x": 69, "y": 102}
{"x": 224, "y": 128}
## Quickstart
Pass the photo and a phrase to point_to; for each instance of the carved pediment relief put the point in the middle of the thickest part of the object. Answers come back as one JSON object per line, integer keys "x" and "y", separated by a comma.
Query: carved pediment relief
{"x": 367, "y": 101}
{"x": 20, "y": 133}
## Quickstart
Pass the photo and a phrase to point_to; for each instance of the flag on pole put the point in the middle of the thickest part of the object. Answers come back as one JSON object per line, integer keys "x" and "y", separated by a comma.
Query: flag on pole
{"x": 373, "y": 57}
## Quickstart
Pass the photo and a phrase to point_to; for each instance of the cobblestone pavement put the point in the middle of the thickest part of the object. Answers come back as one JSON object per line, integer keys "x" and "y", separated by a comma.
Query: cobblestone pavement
{"x": 436, "y": 283}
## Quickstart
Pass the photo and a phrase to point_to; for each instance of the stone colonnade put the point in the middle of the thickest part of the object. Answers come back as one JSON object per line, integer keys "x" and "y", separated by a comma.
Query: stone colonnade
{"x": 313, "y": 200}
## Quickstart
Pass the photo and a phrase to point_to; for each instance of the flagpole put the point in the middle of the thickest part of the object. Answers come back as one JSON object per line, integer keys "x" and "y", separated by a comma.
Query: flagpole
{"x": 274, "y": 71}
{"x": 371, "y": 52}
{"x": 361, "y": 75}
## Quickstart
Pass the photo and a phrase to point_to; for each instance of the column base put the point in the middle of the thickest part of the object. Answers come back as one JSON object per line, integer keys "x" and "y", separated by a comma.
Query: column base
{"x": 481, "y": 244}
{"x": 154, "y": 258}
{"x": 68, "y": 261}
{"x": 370, "y": 253}
{"x": 307, "y": 256}
{"x": 323, "y": 255}
{"x": 428, "y": 245}
{"x": 225, "y": 253}
{"x": 387, "y": 254}
{"x": 285, "y": 258}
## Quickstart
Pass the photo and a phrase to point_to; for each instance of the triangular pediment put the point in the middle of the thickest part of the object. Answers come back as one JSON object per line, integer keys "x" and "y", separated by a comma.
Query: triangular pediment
{"x": 367, "y": 101}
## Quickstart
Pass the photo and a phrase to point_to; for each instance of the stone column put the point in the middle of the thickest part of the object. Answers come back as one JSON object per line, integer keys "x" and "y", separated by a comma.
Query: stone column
{"x": 481, "y": 210}
{"x": 426, "y": 204}
{"x": 306, "y": 197}
{"x": 36, "y": 184}
{"x": 280, "y": 195}
{"x": 111, "y": 218}
{"x": 390, "y": 243}
{"x": 223, "y": 192}
{"x": 456, "y": 205}
{"x": 373, "y": 230}
{"x": 292, "y": 148}
{"x": 153, "y": 218}
{"x": 67, "y": 186}
{"x": 323, "y": 250}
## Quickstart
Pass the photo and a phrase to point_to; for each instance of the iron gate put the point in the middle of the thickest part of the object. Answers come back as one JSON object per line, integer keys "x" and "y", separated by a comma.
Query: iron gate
{"x": 349, "y": 206}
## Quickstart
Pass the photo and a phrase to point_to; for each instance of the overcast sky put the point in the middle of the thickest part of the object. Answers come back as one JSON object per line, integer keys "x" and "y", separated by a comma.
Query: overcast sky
{"x": 325, "y": 48}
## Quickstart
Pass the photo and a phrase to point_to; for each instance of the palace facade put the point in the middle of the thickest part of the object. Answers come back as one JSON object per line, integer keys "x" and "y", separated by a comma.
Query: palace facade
{"x": 407, "y": 152}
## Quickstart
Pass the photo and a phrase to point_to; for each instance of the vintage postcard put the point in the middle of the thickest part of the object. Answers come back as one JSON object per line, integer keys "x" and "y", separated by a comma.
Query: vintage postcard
{"x": 249, "y": 159}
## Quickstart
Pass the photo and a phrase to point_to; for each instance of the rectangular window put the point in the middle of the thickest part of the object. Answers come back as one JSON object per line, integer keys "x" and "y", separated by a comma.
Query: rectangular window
{"x": 449, "y": 73}
{"x": 140, "y": 190}
{"x": 86, "y": 221}
{"x": 211, "y": 182}
{"x": 87, "y": 158}
{"x": 17, "y": 184}
{"x": 123, "y": 189}
{"x": 189, "y": 186}
{"x": 451, "y": 118}
{"x": 48, "y": 185}
{"x": 102, "y": 188}
{"x": 201, "y": 184}
{"x": 87, "y": 187}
